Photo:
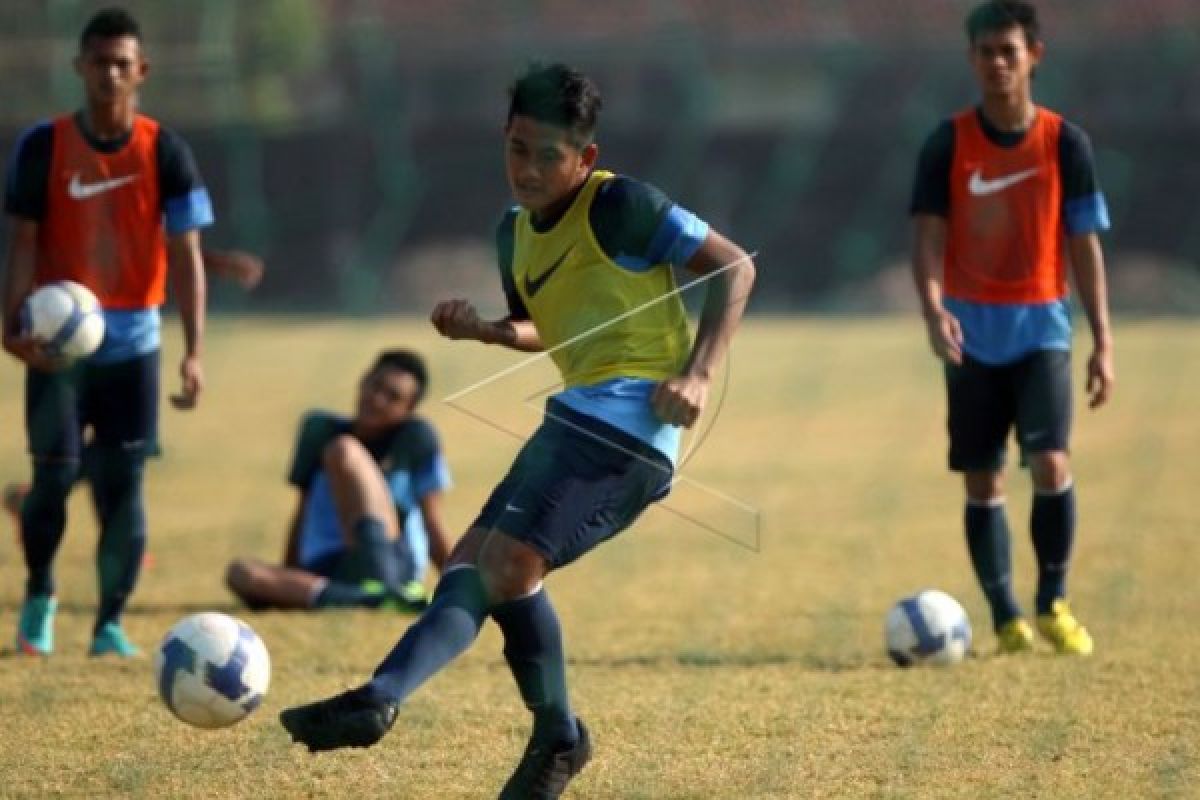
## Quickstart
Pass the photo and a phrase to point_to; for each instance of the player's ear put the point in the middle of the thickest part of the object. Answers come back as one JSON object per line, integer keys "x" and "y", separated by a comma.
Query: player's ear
{"x": 589, "y": 154}
{"x": 1036, "y": 51}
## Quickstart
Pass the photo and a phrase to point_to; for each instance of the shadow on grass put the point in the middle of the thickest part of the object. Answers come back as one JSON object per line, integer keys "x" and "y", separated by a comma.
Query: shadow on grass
{"x": 697, "y": 659}
{"x": 143, "y": 610}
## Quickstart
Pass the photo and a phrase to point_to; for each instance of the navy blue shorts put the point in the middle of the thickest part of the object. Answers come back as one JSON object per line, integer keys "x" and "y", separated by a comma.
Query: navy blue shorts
{"x": 576, "y": 483}
{"x": 117, "y": 402}
{"x": 985, "y": 402}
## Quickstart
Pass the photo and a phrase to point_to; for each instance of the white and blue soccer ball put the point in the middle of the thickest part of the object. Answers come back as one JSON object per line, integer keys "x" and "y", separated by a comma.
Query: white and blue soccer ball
{"x": 66, "y": 318}
{"x": 929, "y": 627}
{"x": 212, "y": 670}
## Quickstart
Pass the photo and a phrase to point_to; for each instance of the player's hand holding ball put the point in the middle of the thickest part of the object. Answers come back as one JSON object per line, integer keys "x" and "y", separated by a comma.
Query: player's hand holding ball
{"x": 458, "y": 319}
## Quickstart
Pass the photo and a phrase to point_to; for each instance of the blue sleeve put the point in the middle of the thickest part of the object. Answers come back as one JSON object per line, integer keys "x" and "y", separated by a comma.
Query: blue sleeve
{"x": 422, "y": 453}
{"x": 1084, "y": 208}
{"x": 639, "y": 227}
{"x": 185, "y": 202}
{"x": 28, "y": 173}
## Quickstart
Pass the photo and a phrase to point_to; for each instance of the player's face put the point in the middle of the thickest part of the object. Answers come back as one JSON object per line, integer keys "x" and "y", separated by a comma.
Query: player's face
{"x": 1003, "y": 61}
{"x": 385, "y": 398}
{"x": 112, "y": 69}
{"x": 544, "y": 167}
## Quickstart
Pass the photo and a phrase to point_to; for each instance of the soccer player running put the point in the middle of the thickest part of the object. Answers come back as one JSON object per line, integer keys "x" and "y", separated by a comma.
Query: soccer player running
{"x": 585, "y": 261}
{"x": 368, "y": 518}
{"x": 108, "y": 198}
{"x": 1004, "y": 193}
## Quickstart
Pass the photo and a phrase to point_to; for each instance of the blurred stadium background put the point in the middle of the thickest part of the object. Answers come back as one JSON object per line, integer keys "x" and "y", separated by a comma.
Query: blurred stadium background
{"x": 355, "y": 143}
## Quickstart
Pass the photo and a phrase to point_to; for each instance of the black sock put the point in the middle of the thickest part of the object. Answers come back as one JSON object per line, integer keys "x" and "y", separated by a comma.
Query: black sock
{"x": 988, "y": 544}
{"x": 43, "y": 522}
{"x": 346, "y": 595}
{"x": 1052, "y": 523}
{"x": 116, "y": 479}
{"x": 533, "y": 648}
{"x": 444, "y": 630}
{"x": 374, "y": 553}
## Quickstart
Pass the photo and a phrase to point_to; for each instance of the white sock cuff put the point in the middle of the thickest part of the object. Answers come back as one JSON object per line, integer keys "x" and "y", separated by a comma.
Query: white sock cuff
{"x": 994, "y": 502}
{"x": 1066, "y": 487}
{"x": 318, "y": 587}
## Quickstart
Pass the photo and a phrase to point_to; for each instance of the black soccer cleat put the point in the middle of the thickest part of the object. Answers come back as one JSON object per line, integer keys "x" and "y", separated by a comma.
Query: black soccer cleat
{"x": 355, "y": 718}
{"x": 545, "y": 771}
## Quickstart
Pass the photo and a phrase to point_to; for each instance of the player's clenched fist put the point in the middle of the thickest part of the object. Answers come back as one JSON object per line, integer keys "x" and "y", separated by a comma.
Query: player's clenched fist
{"x": 457, "y": 319}
{"x": 680, "y": 400}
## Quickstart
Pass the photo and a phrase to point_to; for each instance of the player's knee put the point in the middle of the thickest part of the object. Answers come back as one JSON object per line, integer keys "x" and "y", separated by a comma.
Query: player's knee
{"x": 509, "y": 569}
{"x": 55, "y": 478}
{"x": 984, "y": 487}
{"x": 239, "y": 576}
{"x": 341, "y": 453}
{"x": 1051, "y": 471}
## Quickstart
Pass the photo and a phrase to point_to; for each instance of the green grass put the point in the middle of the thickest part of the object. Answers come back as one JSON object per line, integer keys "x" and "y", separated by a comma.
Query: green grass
{"x": 706, "y": 669}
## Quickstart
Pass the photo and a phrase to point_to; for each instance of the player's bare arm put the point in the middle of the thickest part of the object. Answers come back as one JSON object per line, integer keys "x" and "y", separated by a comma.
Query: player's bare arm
{"x": 1087, "y": 262}
{"x": 18, "y": 283}
{"x": 681, "y": 400}
{"x": 186, "y": 265}
{"x": 929, "y": 244}
{"x": 458, "y": 319}
{"x": 291, "y": 550}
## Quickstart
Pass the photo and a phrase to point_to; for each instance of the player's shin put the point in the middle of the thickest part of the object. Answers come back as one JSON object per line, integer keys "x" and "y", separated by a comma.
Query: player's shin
{"x": 988, "y": 542}
{"x": 533, "y": 647}
{"x": 43, "y": 521}
{"x": 444, "y": 630}
{"x": 116, "y": 480}
{"x": 1052, "y": 524}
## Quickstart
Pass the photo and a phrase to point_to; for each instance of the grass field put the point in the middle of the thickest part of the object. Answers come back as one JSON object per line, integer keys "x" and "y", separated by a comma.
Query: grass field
{"x": 706, "y": 668}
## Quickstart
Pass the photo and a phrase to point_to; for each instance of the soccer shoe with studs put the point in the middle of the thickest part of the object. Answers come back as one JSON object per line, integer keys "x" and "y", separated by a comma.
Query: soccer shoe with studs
{"x": 545, "y": 770}
{"x": 1064, "y": 631}
{"x": 355, "y": 718}
{"x": 35, "y": 629}
{"x": 111, "y": 640}
{"x": 1014, "y": 636}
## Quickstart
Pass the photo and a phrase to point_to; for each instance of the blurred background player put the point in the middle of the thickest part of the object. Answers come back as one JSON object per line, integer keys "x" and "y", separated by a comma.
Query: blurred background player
{"x": 368, "y": 520}
{"x": 1003, "y": 192}
{"x": 111, "y": 199}
{"x": 583, "y": 247}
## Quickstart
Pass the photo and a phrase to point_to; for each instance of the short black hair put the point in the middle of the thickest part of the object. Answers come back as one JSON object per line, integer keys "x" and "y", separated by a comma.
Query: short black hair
{"x": 109, "y": 23}
{"x": 557, "y": 95}
{"x": 995, "y": 16}
{"x": 405, "y": 361}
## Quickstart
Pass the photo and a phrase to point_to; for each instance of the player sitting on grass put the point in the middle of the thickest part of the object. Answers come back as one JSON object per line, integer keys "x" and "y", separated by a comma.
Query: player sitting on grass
{"x": 1005, "y": 193}
{"x": 368, "y": 518}
{"x": 585, "y": 262}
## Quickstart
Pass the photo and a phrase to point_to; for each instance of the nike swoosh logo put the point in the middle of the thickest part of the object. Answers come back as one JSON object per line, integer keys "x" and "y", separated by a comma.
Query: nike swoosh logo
{"x": 82, "y": 191}
{"x": 979, "y": 187}
{"x": 535, "y": 286}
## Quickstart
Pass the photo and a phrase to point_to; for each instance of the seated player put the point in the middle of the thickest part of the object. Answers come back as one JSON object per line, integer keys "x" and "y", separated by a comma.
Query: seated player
{"x": 369, "y": 518}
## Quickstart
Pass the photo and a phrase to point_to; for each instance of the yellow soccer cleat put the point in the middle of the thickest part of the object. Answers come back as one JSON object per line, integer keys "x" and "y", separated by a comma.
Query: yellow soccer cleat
{"x": 1015, "y": 636}
{"x": 1064, "y": 631}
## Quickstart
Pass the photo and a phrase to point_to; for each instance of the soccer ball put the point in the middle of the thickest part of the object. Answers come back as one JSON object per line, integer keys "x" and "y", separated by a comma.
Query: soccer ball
{"x": 929, "y": 627}
{"x": 212, "y": 670}
{"x": 66, "y": 318}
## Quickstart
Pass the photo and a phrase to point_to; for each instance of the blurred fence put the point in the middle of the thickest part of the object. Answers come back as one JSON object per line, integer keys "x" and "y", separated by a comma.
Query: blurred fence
{"x": 356, "y": 143}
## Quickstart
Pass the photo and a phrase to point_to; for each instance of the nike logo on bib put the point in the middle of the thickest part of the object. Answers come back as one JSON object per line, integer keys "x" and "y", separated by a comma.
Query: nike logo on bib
{"x": 82, "y": 191}
{"x": 979, "y": 187}
{"x": 535, "y": 286}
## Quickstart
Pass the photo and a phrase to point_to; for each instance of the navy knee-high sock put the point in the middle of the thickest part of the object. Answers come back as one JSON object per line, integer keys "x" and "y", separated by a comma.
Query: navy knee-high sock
{"x": 444, "y": 630}
{"x": 533, "y": 647}
{"x": 1052, "y": 523}
{"x": 988, "y": 542}
{"x": 116, "y": 480}
{"x": 43, "y": 521}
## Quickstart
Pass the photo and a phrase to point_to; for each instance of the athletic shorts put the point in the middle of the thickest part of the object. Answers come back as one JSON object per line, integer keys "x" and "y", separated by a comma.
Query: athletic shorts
{"x": 576, "y": 483}
{"x": 118, "y": 402}
{"x": 986, "y": 401}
